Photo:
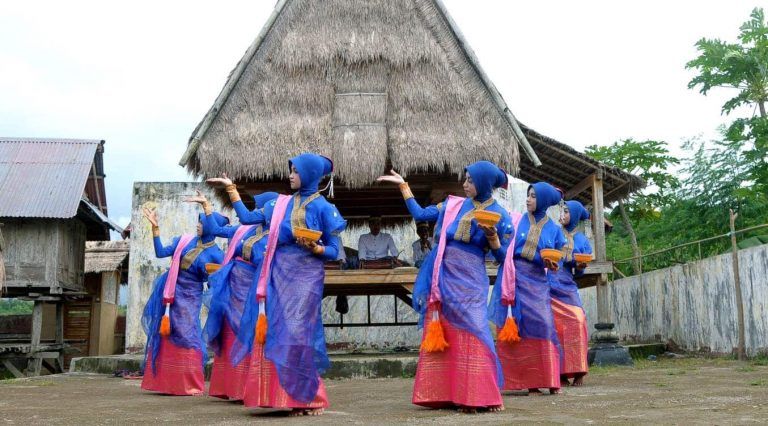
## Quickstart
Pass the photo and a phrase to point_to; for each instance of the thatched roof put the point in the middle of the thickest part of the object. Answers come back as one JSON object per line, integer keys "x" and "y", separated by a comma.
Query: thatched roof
{"x": 369, "y": 83}
{"x": 565, "y": 168}
{"x": 101, "y": 256}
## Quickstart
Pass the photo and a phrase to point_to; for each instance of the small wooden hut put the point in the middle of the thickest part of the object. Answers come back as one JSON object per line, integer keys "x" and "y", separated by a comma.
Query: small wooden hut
{"x": 374, "y": 85}
{"x": 46, "y": 188}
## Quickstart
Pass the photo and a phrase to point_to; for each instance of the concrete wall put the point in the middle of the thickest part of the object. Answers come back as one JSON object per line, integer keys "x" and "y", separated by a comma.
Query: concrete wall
{"x": 692, "y": 304}
{"x": 175, "y": 218}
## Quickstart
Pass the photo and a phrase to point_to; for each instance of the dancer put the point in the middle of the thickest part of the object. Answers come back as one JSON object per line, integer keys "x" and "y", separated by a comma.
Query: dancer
{"x": 230, "y": 286}
{"x": 570, "y": 320}
{"x": 521, "y": 304}
{"x": 458, "y": 365}
{"x": 285, "y": 368}
{"x": 175, "y": 350}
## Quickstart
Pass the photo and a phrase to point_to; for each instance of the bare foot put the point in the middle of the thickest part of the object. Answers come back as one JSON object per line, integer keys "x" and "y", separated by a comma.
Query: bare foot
{"x": 534, "y": 392}
{"x": 315, "y": 412}
{"x": 296, "y": 412}
{"x": 579, "y": 380}
{"x": 564, "y": 381}
{"x": 496, "y": 408}
{"x": 555, "y": 391}
{"x": 468, "y": 410}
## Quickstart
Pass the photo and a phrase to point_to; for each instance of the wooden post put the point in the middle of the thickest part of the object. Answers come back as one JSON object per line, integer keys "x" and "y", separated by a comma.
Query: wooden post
{"x": 742, "y": 352}
{"x": 598, "y": 223}
{"x": 60, "y": 333}
{"x": 35, "y": 364}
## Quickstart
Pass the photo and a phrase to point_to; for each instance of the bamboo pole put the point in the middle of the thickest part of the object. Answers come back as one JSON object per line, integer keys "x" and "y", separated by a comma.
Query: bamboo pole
{"x": 737, "y": 280}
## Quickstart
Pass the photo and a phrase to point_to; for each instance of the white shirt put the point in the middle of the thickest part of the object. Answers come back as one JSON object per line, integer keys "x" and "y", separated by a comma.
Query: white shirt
{"x": 418, "y": 253}
{"x": 372, "y": 247}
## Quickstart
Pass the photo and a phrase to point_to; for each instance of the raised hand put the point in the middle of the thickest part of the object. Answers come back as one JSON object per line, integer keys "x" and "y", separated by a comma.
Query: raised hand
{"x": 392, "y": 177}
{"x": 151, "y": 215}
{"x": 199, "y": 198}
{"x": 223, "y": 180}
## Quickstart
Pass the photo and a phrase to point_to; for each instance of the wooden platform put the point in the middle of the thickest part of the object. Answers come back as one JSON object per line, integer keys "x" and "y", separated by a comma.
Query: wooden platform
{"x": 365, "y": 282}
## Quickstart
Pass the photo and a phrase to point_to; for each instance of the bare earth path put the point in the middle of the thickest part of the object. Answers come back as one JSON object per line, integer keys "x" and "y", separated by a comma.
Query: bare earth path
{"x": 680, "y": 391}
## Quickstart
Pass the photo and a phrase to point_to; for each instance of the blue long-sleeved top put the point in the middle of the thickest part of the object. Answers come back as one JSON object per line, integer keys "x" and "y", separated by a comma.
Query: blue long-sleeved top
{"x": 551, "y": 237}
{"x": 211, "y": 254}
{"x": 228, "y": 232}
{"x": 320, "y": 216}
{"x": 581, "y": 245}
{"x": 434, "y": 213}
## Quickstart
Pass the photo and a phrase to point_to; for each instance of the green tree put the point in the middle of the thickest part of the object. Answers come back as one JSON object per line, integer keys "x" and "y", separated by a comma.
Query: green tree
{"x": 650, "y": 160}
{"x": 740, "y": 66}
{"x": 743, "y": 67}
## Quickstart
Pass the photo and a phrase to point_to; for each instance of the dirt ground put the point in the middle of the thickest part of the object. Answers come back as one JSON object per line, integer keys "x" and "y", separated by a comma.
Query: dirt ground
{"x": 713, "y": 391}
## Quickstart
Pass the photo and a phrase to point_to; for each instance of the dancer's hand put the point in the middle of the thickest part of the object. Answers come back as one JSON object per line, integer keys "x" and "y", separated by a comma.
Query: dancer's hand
{"x": 306, "y": 243}
{"x": 392, "y": 177}
{"x": 220, "y": 181}
{"x": 199, "y": 198}
{"x": 151, "y": 215}
{"x": 581, "y": 266}
{"x": 489, "y": 231}
{"x": 552, "y": 266}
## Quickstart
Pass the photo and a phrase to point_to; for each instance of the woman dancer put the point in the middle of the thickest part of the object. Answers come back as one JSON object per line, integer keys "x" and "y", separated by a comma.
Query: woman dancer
{"x": 285, "y": 369}
{"x": 229, "y": 286}
{"x": 531, "y": 359}
{"x": 458, "y": 365}
{"x": 570, "y": 320}
{"x": 175, "y": 349}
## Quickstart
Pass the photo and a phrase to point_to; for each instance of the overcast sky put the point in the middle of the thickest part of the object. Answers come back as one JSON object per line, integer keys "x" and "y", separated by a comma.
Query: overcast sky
{"x": 142, "y": 74}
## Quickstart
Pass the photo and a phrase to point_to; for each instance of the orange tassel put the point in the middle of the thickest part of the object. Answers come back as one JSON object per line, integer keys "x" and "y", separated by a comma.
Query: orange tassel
{"x": 261, "y": 325}
{"x": 165, "y": 323}
{"x": 435, "y": 338}
{"x": 509, "y": 333}
{"x": 261, "y": 329}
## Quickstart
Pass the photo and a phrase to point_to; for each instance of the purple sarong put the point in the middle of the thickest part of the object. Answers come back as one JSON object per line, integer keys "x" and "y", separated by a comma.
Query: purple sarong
{"x": 295, "y": 336}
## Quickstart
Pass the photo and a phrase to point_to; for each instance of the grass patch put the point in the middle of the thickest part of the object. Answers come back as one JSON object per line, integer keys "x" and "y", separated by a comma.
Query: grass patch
{"x": 27, "y": 382}
{"x": 661, "y": 385}
{"x": 675, "y": 372}
{"x": 758, "y": 382}
{"x": 746, "y": 369}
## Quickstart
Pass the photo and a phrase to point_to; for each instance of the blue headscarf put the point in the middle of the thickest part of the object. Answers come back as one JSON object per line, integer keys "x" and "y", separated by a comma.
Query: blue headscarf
{"x": 263, "y": 198}
{"x": 546, "y": 197}
{"x": 311, "y": 167}
{"x": 578, "y": 213}
{"x": 486, "y": 176}
{"x": 208, "y": 234}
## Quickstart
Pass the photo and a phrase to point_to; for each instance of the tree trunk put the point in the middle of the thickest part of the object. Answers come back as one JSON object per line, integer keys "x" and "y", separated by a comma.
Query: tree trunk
{"x": 761, "y": 106}
{"x": 636, "y": 263}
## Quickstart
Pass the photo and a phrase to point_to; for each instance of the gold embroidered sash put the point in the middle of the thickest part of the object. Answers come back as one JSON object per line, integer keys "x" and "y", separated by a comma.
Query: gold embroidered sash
{"x": 465, "y": 223}
{"x": 299, "y": 210}
{"x": 251, "y": 241}
{"x": 193, "y": 254}
{"x": 532, "y": 239}
{"x": 568, "y": 247}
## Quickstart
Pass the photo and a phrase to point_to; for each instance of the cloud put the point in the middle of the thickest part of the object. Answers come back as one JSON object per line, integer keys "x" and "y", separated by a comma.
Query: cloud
{"x": 142, "y": 75}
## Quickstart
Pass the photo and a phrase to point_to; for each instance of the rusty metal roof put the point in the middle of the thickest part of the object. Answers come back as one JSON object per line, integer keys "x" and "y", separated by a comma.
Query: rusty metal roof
{"x": 43, "y": 177}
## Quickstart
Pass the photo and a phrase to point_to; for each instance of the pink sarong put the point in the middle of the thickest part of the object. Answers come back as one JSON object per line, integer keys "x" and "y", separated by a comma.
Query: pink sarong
{"x": 571, "y": 326}
{"x": 179, "y": 371}
{"x": 262, "y": 386}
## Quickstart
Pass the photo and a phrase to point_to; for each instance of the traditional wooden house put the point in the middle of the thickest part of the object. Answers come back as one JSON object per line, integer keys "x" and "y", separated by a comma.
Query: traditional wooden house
{"x": 106, "y": 268}
{"x": 374, "y": 85}
{"x": 48, "y": 188}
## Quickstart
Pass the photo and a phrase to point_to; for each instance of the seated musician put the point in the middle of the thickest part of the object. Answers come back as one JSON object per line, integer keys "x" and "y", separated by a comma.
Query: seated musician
{"x": 377, "y": 250}
{"x": 423, "y": 245}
